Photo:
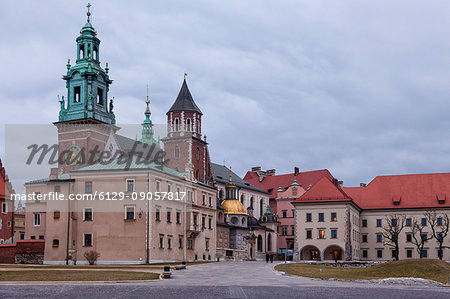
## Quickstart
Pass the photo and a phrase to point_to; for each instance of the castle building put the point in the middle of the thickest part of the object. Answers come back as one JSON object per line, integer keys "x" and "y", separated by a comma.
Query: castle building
{"x": 109, "y": 210}
{"x": 7, "y": 208}
{"x": 241, "y": 236}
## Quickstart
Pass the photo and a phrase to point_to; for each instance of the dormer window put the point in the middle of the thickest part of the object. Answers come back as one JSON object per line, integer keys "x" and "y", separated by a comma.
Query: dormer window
{"x": 396, "y": 200}
{"x": 441, "y": 198}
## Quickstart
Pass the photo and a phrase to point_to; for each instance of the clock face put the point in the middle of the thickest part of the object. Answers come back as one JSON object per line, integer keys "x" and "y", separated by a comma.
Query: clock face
{"x": 73, "y": 155}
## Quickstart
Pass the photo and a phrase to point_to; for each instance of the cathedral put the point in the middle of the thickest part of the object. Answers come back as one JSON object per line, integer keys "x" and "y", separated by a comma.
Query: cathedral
{"x": 113, "y": 183}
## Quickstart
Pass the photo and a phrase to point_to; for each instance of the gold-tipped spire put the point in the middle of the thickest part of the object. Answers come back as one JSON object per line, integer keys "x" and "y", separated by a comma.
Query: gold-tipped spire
{"x": 88, "y": 12}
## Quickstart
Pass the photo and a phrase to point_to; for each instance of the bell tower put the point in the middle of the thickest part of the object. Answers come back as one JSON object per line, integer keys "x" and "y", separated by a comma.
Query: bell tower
{"x": 184, "y": 148}
{"x": 86, "y": 119}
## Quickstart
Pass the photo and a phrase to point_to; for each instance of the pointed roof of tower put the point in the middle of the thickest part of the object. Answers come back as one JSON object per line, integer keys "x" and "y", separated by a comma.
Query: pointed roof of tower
{"x": 184, "y": 101}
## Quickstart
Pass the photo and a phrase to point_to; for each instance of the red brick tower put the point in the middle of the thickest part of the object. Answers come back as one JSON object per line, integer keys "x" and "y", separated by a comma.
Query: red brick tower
{"x": 184, "y": 147}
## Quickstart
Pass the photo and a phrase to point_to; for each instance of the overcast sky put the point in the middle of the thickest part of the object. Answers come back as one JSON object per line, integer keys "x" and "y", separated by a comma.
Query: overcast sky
{"x": 359, "y": 88}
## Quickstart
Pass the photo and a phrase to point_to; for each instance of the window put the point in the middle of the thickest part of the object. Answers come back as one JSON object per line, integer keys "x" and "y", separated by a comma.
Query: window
{"x": 176, "y": 153}
{"x": 408, "y": 222}
{"x": 425, "y": 253}
{"x": 204, "y": 199}
{"x": 294, "y": 191}
{"x": 308, "y": 217}
{"x": 76, "y": 93}
{"x": 439, "y": 221}
{"x": 130, "y": 185}
{"x": 188, "y": 124}
{"x": 284, "y": 230}
{"x": 88, "y": 187}
{"x": 321, "y": 217}
{"x": 169, "y": 243}
{"x": 4, "y": 208}
{"x": 409, "y": 253}
{"x": 180, "y": 242}
{"x": 334, "y": 234}
{"x": 333, "y": 217}
{"x": 177, "y": 124}
{"x": 394, "y": 222}
{"x": 33, "y": 237}
{"x": 56, "y": 214}
{"x": 378, "y": 222}
{"x": 393, "y": 253}
{"x": 203, "y": 222}
{"x": 210, "y": 201}
{"x": 284, "y": 213}
{"x": 408, "y": 237}
{"x": 129, "y": 213}
{"x": 190, "y": 244}
{"x": 168, "y": 215}
{"x": 424, "y": 221}
{"x": 207, "y": 243}
{"x": 210, "y": 223}
{"x": 37, "y": 219}
{"x": 365, "y": 253}
{"x": 57, "y": 188}
{"x": 309, "y": 234}
{"x": 161, "y": 241}
{"x": 293, "y": 230}
{"x": 364, "y": 223}
{"x": 364, "y": 238}
{"x": 55, "y": 243}
{"x": 198, "y": 154}
{"x": 169, "y": 188}
{"x": 321, "y": 234}
{"x": 41, "y": 237}
{"x": 158, "y": 184}
{"x": 424, "y": 237}
{"x": 379, "y": 238}
{"x": 158, "y": 214}
{"x": 379, "y": 253}
{"x": 99, "y": 96}
{"x": 87, "y": 240}
{"x": 195, "y": 219}
{"x": 178, "y": 217}
{"x": 87, "y": 214}
{"x": 22, "y": 236}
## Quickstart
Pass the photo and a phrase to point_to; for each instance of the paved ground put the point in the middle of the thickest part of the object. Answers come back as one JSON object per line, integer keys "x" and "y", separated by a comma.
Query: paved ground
{"x": 223, "y": 280}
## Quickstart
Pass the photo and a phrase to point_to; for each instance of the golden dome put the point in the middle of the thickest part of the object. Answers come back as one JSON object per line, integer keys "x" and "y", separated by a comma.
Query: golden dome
{"x": 233, "y": 206}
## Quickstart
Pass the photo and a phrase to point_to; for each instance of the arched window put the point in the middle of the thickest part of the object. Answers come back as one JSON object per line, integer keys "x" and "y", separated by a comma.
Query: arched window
{"x": 198, "y": 154}
{"x": 261, "y": 204}
{"x": 176, "y": 153}
{"x": 197, "y": 125}
{"x": 220, "y": 194}
{"x": 221, "y": 217}
{"x": 251, "y": 202}
{"x": 242, "y": 199}
{"x": 197, "y": 176}
{"x": 177, "y": 125}
{"x": 81, "y": 52}
{"x": 243, "y": 221}
{"x": 269, "y": 242}
{"x": 89, "y": 51}
{"x": 260, "y": 244}
{"x": 188, "y": 124}
{"x": 95, "y": 53}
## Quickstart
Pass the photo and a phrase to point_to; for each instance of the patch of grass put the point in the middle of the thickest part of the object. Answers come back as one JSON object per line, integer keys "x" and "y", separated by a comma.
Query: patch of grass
{"x": 76, "y": 275}
{"x": 420, "y": 268}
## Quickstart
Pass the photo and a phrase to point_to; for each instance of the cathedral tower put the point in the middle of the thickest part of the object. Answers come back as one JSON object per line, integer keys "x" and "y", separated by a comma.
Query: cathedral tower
{"x": 85, "y": 118}
{"x": 184, "y": 147}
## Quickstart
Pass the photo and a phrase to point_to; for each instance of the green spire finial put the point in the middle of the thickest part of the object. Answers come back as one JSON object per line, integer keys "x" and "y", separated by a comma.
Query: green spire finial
{"x": 279, "y": 189}
{"x": 268, "y": 212}
{"x": 88, "y": 12}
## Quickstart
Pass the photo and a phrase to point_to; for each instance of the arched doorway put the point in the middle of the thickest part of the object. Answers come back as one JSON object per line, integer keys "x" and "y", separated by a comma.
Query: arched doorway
{"x": 310, "y": 252}
{"x": 260, "y": 244}
{"x": 333, "y": 252}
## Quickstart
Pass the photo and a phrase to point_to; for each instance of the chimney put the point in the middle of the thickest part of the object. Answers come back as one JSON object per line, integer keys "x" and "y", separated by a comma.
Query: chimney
{"x": 256, "y": 168}
{"x": 53, "y": 173}
{"x": 296, "y": 171}
{"x": 341, "y": 183}
{"x": 362, "y": 184}
{"x": 270, "y": 172}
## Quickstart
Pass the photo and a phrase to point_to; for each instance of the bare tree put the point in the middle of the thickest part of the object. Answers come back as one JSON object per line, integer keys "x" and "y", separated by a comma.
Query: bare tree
{"x": 419, "y": 236}
{"x": 439, "y": 227}
{"x": 391, "y": 231}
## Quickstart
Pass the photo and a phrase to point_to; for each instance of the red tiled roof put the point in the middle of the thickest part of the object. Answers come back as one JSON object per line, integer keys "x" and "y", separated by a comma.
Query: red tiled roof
{"x": 272, "y": 182}
{"x": 410, "y": 191}
{"x": 324, "y": 190}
